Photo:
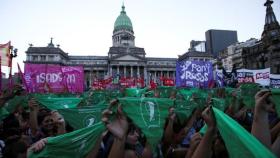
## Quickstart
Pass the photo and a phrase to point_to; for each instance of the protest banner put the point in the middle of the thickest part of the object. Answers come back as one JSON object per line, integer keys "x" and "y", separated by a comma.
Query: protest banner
{"x": 194, "y": 74}
{"x": 42, "y": 78}
{"x": 274, "y": 81}
{"x": 260, "y": 76}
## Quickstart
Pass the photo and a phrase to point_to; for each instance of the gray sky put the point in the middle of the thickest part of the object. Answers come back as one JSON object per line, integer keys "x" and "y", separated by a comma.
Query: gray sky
{"x": 163, "y": 27}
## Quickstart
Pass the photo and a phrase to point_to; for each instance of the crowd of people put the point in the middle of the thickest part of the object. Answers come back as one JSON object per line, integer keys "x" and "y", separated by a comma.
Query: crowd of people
{"x": 26, "y": 129}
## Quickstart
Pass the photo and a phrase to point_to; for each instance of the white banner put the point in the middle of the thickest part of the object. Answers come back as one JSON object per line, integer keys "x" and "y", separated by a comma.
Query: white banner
{"x": 261, "y": 76}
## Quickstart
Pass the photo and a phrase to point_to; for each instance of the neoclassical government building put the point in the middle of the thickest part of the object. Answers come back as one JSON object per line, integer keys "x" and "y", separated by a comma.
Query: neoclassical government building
{"x": 124, "y": 58}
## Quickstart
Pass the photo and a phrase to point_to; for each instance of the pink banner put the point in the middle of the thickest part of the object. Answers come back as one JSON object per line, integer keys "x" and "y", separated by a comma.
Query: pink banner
{"x": 42, "y": 78}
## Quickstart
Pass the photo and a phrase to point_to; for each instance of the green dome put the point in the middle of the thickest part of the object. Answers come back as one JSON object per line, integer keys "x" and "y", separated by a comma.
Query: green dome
{"x": 123, "y": 21}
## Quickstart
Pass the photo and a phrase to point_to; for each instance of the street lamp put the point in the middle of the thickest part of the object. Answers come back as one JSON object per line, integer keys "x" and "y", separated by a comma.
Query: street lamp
{"x": 13, "y": 52}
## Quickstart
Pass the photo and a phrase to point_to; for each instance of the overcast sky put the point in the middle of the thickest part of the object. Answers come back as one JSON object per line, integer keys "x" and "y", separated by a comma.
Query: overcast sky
{"x": 163, "y": 27}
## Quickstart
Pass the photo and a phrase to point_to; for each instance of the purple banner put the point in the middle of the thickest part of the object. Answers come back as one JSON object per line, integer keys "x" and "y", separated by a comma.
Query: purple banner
{"x": 42, "y": 78}
{"x": 274, "y": 81}
{"x": 194, "y": 74}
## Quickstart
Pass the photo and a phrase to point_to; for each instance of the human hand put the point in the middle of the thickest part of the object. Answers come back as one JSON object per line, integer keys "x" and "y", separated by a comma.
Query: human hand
{"x": 33, "y": 105}
{"x": 119, "y": 125}
{"x": 58, "y": 119}
{"x": 209, "y": 118}
{"x": 39, "y": 145}
{"x": 172, "y": 114}
{"x": 263, "y": 101}
{"x": 195, "y": 140}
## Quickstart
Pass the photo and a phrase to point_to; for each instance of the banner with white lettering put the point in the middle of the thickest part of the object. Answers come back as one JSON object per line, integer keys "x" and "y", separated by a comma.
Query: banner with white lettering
{"x": 274, "y": 81}
{"x": 254, "y": 76}
{"x": 42, "y": 78}
{"x": 194, "y": 74}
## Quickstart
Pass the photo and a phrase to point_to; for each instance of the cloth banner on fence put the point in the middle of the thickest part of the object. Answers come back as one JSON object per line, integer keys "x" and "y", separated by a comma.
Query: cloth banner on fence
{"x": 75, "y": 144}
{"x": 194, "y": 74}
{"x": 254, "y": 76}
{"x": 57, "y": 78}
{"x": 274, "y": 81}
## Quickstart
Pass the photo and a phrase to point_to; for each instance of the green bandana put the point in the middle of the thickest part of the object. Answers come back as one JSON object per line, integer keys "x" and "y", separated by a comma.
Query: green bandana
{"x": 76, "y": 144}
{"x": 148, "y": 114}
{"x": 82, "y": 117}
{"x": 238, "y": 141}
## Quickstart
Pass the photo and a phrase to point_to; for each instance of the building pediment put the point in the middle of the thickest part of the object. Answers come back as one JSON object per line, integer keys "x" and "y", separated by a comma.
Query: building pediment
{"x": 129, "y": 57}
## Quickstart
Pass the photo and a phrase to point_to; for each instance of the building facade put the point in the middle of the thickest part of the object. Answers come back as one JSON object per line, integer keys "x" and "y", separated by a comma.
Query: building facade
{"x": 199, "y": 46}
{"x": 218, "y": 40}
{"x": 232, "y": 55}
{"x": 266, "y": 52}
{"x": 123, "y": 59}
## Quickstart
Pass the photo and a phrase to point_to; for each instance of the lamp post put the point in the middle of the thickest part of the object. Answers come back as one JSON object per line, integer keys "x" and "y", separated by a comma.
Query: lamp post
{"x": 13, "y": 54}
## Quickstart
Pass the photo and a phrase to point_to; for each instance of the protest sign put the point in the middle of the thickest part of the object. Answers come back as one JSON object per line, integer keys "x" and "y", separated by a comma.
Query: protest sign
{"x": 274, "y": 81}
{"x": 254, "y": 76}
{"x": 194, "y": 74}
{"x": 42, "y": 78}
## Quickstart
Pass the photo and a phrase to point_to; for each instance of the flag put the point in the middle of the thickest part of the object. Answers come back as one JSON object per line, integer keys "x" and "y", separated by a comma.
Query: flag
{"x": 74, "y": 144}
{"x": 21, "y": 76}
{"x": 5, "y": 54}
{"x": 153, "y": 84}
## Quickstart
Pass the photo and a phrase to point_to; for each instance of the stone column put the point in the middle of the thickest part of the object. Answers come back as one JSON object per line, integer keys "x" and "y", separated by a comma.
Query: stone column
{"x": 90, "y": 75}
{"x": 131, "y": 71}
{"x": 145, "y": 75}
{"x": 111, "y": 70}
{"x": 138, "y": 71}
{"x": 118, "y": 69}
{"x": 168, "y": 74}
{"x": 161, "y": 73}
{"x": 97, "y": 73}
{"x": 124, "y": 71}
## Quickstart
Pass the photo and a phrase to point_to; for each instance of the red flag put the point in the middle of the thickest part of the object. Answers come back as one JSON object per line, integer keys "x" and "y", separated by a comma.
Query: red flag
{"x": 5, "y": 54}
{"x": 153, "y": 84}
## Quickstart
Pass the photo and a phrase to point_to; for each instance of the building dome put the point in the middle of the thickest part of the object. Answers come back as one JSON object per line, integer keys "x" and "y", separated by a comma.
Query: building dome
{"x": 123, "y": 22}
